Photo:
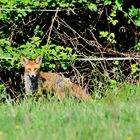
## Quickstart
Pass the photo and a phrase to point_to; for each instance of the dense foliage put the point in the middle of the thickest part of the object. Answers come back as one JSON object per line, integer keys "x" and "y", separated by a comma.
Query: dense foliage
{"x": 76, "y": 28}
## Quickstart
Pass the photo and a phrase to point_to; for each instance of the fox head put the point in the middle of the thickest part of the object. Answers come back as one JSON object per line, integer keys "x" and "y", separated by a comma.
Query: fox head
{"x": 32, "y": 67}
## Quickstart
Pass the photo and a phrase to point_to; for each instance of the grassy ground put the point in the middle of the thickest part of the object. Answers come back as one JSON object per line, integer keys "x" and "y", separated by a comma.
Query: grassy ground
{"x": 116, "y": 117}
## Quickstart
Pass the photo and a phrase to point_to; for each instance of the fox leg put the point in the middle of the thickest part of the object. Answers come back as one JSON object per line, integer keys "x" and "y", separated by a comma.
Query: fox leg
{"x": 60, "y": 95}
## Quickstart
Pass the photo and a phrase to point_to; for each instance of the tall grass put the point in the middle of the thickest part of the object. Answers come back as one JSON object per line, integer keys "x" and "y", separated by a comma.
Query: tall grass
{"x": 115, "y": 117}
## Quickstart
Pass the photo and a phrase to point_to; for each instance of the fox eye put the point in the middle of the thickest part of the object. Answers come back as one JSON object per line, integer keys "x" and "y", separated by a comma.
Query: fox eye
{"x": 29, "y": 69}
{"x": 35, "y": 69}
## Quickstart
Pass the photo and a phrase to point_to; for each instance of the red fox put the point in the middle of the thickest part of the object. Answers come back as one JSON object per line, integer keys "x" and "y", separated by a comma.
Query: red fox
{"x": 44, "y": 82}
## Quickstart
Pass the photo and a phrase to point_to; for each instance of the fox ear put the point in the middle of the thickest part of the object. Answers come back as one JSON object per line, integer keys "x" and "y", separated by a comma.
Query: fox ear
{"x": 39, "y": 59}
{"x": 25, "y": 60}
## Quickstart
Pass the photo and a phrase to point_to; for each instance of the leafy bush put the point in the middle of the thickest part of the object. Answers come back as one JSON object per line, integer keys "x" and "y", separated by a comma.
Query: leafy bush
{"x": 76, "y": 28}
{"x": 32, "y": 49}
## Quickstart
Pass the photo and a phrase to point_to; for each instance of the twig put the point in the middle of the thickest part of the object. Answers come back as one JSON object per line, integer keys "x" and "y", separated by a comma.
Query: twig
{"x": 51, "y": 27}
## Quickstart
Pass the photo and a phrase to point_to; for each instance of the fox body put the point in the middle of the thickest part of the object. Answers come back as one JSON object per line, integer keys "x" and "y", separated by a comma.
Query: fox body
{"x": 44, "y": 82}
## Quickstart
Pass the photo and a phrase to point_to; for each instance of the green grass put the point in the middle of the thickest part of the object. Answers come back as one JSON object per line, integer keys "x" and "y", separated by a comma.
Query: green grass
{"x": 111, "y": 118}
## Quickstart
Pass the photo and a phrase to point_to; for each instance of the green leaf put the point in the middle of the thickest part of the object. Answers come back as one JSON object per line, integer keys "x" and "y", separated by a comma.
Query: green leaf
{"x": 92, "y": 7}
{"x": 103, "y": 34}
{"x": 107, "y": 2}
{"x": 119, "y": 4}
{"x": 116, "y": 62}
{"x": 36, "y": 3}
{"x": 36, "y": 38}
{"x": 64, "y": 66}
{"x": 63, "y": 4}
{"x": 137, "y": 22}
{"x": 69, "y": 50}
{"x": 53, "y": 66}
{"x": 114, "y": 22}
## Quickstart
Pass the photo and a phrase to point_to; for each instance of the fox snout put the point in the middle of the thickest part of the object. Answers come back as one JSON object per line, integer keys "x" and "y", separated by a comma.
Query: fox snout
{"x": 32, "y": 75}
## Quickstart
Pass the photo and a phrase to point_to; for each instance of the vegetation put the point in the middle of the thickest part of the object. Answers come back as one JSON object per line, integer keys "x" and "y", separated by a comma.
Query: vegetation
{"x": 62, "y": 31}
{"x": 69, "y": 30}
{"x": 114, "y": 117}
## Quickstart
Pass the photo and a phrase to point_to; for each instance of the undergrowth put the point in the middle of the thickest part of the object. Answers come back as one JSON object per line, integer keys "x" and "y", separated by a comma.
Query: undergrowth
{"x": 113, "y": 117}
